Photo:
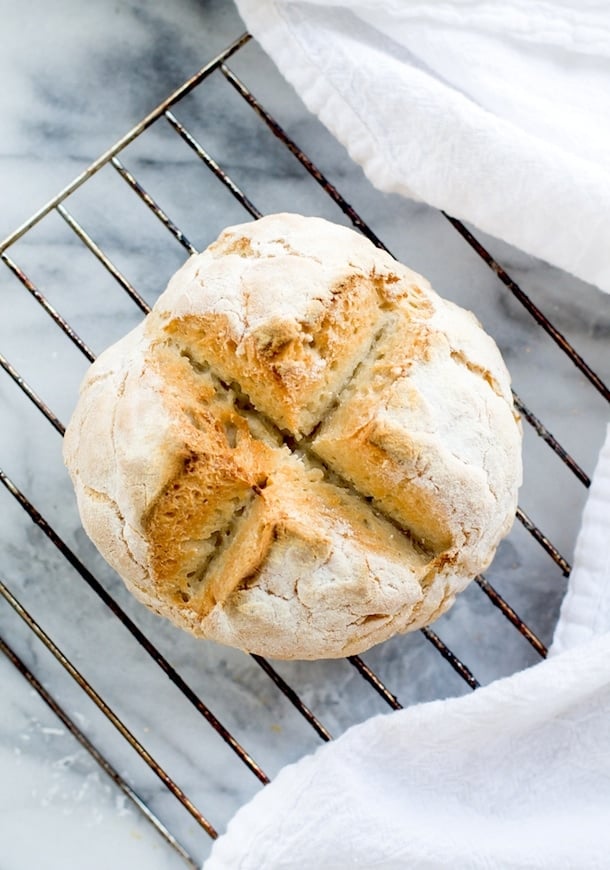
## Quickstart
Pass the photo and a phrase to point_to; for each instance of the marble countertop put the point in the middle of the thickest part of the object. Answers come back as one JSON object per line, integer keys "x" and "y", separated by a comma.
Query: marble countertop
{"x": 75, "y": 78}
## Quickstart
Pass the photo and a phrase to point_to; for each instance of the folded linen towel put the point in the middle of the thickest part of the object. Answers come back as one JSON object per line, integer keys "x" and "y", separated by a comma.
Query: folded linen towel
{"x": 516, "y": 775}
{"x": 497, "y": 112}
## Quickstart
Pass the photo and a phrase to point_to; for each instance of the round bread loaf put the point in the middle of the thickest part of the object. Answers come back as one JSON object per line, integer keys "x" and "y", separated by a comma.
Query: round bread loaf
{"x": 302, "y": 450}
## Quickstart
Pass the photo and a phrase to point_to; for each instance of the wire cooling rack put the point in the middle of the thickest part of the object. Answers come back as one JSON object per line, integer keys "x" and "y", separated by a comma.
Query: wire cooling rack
{"x": 113, "y": 160}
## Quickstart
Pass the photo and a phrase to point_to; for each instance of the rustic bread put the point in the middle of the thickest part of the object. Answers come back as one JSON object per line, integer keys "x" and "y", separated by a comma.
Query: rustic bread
{"x": 302, "y": 450}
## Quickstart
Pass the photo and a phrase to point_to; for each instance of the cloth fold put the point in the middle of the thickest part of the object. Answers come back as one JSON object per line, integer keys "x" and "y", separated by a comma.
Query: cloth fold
{"x": 498, "y": 113}
{"x": 585, "y": 610}
{"x": 516, "y": 775}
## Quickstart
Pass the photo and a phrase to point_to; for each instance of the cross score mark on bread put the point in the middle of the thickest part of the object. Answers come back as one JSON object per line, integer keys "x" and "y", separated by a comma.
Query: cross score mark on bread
{"x": 302, "y": 450}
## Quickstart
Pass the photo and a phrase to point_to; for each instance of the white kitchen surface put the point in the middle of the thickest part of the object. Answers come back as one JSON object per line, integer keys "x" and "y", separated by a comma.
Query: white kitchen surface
{"x": 75, "y": 77}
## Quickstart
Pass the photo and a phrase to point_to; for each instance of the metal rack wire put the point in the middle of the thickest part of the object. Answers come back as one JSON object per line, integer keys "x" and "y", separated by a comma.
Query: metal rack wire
{"x": 163, "y": 112}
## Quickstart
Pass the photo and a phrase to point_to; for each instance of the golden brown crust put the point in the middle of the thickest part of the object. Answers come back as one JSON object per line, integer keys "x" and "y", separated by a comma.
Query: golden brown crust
{"x": 303, "y": 450}
{"x": 279, "y": 365}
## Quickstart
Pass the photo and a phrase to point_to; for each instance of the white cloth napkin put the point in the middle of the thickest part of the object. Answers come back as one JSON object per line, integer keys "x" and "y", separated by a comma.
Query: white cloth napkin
{"x": 497, "y": 111}
{"x": 516, "y": 775}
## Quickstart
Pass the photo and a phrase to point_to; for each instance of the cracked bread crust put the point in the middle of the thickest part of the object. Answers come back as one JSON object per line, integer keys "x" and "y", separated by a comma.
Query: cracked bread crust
{"x": 302, "y": 450}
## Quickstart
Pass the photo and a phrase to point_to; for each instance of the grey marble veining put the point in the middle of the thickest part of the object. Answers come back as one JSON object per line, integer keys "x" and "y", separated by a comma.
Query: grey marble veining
{"x": 75, "y": 78}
